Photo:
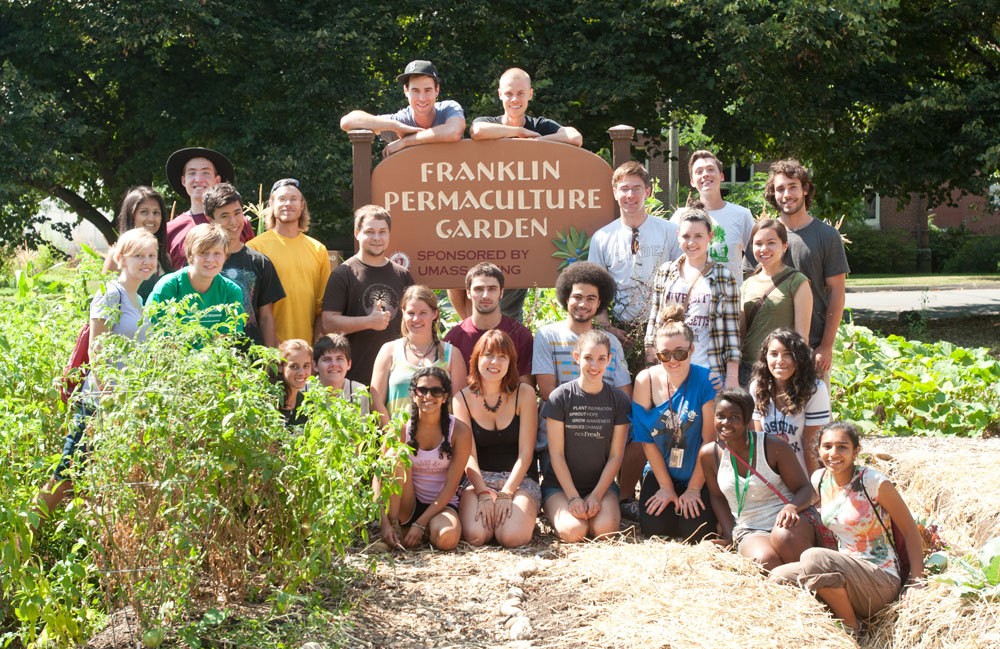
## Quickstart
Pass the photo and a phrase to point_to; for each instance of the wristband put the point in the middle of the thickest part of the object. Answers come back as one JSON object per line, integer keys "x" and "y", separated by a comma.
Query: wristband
{"x": 501, "y": 495}
{"x": 420, "y": 527}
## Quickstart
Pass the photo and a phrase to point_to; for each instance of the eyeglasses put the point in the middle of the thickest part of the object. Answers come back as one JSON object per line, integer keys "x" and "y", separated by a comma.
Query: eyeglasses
{"x": 437, "y": 391}
{"x": 677, "y": 355}
{"x": 283, "y": 183}
{"x": 635, "y": 241}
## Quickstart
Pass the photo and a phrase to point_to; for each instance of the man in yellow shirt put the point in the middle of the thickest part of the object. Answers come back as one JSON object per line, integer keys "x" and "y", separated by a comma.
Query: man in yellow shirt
{"x": 303, "y": 263}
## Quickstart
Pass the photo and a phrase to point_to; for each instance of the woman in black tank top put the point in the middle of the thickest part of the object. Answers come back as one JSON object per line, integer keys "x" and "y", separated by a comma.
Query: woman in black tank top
{"x": 502, "y": 497}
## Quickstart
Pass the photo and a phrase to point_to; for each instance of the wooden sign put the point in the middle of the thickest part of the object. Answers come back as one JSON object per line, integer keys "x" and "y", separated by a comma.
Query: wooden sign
{"x": 528, "y": 207}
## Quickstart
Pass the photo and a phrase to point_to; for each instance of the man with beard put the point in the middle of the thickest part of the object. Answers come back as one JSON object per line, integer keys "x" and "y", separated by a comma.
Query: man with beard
{"x": 302, "y": 263}
{"x": 484, "y": 290}
{"x": 363, "y": 293}
{"x": 583, "y": 289}
{"x": 815, "y": 249}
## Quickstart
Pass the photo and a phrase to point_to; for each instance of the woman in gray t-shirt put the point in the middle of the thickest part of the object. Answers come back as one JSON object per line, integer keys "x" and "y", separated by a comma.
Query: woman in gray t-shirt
{"x": 587, "y": 422}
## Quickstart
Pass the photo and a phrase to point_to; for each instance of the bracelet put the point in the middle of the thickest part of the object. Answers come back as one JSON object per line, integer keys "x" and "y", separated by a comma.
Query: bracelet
{"x": 422, "y": 528}
{"x": 575, "y": 498}
{"x": 502, "y": 495}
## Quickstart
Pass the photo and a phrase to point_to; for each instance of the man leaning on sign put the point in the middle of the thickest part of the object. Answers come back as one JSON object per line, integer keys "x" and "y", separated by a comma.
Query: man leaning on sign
{"x": 515, "y": 92}
{"x": 423, "y": 121}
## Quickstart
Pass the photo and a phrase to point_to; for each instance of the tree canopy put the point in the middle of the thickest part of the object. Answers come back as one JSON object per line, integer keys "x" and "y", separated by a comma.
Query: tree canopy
{"x": 895, "y": 95}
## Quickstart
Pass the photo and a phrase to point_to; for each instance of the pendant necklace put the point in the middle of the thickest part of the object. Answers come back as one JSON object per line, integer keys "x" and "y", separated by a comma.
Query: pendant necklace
{"x": 490, "y": 408}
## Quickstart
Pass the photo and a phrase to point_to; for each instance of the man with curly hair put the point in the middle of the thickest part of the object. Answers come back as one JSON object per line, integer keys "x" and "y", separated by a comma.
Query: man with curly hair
{"x": 815, "y": 249}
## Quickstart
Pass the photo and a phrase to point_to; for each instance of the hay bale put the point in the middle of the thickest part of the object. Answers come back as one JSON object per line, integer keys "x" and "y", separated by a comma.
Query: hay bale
{"x": 664, "y": 594}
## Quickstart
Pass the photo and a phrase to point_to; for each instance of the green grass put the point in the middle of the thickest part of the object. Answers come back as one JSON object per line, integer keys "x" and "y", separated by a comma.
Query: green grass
{"x": 923, "y": 280}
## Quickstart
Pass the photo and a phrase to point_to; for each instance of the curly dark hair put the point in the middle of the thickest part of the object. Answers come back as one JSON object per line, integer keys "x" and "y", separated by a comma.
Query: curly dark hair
{"x": 790, "y": 168}
{"x": 445, "y": 380}
{"x": 585, "y": 272}
{"x": 800, "y": 388}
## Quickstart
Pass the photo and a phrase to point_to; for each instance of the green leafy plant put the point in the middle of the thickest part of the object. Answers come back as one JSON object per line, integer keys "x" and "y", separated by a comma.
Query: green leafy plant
{"x": 903, "y": 387}
{"x": 194, "y": 490}
{"x": 980, "y": 572}
{"x": 571, "y": 246}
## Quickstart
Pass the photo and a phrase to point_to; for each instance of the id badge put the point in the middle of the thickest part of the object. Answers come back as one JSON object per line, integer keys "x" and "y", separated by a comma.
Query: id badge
{"x": 676, "y": 458}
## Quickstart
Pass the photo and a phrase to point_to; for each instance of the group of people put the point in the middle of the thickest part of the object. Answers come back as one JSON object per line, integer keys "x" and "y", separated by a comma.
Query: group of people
{"x": 725, "y": 433}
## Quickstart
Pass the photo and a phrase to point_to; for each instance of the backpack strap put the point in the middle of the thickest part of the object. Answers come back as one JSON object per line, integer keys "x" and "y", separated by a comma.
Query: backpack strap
{"x": 888, "y": 535}
{"x": 775, "y": 283}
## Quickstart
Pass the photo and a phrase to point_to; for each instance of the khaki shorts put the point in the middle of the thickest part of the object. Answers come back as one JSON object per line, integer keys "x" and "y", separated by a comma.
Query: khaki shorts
{"x": 869, "y": 587}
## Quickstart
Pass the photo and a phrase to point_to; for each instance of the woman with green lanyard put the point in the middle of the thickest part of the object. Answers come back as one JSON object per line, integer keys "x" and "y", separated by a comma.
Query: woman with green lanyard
{"x": 757, "y": 486}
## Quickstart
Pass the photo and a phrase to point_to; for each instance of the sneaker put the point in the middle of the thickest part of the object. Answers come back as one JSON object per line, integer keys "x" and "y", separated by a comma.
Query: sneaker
{"x": 629, "y": 509}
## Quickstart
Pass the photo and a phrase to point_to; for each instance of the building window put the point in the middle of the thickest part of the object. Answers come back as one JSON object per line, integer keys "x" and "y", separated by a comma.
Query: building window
{"x": 740, "y": 173}
{"x": 993, "y": 197}
{"x": 873, "y": 209}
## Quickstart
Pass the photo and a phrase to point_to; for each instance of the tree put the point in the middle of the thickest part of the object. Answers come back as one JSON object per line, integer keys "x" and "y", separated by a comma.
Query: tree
{"x": 899, "y": 95}
{"x": 96, "y": 94}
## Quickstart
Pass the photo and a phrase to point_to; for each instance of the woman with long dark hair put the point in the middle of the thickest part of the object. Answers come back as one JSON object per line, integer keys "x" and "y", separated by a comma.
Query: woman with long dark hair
{"x": 790, "y": 400}
{"x": 859, "y": 504}
{"x": 428, "y": 501}
{"x": 143, "y": 207}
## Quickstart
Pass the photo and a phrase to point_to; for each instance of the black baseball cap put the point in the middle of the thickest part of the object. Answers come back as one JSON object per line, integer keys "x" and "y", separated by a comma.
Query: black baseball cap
{"x": 418, "y": 69}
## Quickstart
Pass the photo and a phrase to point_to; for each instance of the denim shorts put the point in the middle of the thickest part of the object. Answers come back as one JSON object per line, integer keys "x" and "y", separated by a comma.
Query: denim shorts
{"x": 82, "y": 412}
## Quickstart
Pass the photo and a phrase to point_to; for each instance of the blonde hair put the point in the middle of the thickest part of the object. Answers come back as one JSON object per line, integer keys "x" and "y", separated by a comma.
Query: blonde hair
{"x": 268, "y": 215}
{"x": 294, "y": 345}
{"x": 202, "y": 238}
{"x": 135, "y": 240}
{"x": 670, "y": 322}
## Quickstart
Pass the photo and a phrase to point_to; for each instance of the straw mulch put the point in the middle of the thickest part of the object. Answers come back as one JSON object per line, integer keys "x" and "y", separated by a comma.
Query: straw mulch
{"x": 934, "y": 617}
{"x": 662, "y": 594}
{"x": 955, "y": 483}
{"x": 623, "y": 594}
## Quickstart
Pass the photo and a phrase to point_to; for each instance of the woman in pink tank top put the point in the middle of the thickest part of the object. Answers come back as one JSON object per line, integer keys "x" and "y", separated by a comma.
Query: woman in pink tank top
{"x": 428, "y": 503}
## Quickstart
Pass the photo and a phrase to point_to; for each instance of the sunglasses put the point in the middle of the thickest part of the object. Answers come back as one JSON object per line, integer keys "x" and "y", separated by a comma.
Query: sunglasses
{"x": 677, "y": 355}
{"x": 437, "y": 392}
{"x": 635, "y": 241}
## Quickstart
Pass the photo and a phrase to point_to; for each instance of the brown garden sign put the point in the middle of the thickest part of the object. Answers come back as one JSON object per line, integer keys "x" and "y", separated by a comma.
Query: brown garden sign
{"x": 529, "y": 207}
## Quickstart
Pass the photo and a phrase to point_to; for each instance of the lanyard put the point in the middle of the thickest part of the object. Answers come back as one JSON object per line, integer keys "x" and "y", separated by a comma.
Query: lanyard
{"x": 741, "y": 498}
{"x": 675, "y": 417}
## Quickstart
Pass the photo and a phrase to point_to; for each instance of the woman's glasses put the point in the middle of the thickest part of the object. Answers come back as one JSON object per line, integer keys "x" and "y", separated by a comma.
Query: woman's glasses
{"x": 437, "y": 392}
{"x": 677, "y": 355}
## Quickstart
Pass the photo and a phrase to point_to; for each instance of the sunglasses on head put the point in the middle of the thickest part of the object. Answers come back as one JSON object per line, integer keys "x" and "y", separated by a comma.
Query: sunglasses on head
{"x": 677, "y": 355}
{"x": 437, "y": 391}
